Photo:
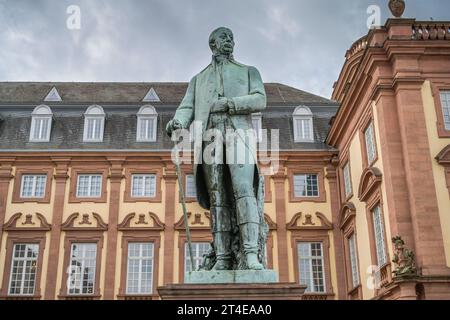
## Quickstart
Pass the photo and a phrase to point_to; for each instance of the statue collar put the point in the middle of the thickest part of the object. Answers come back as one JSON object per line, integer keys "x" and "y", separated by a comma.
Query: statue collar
{"x": 220, "y": 59}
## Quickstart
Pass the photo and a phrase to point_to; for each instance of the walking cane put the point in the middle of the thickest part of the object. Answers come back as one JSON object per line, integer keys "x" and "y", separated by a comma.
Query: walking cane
{"x": 183, "y": 203}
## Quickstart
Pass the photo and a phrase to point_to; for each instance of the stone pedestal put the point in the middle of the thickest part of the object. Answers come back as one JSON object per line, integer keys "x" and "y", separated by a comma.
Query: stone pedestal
{"x": 232, "y": 285}
{"x": 231, "y": 276}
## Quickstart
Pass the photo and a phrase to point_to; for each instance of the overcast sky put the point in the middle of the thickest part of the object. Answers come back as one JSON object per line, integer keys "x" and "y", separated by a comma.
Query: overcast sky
{"x": 296, "y": 42}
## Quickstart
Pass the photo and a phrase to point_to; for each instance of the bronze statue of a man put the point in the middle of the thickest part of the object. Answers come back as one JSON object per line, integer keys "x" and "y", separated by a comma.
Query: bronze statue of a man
{"x": 222, "y": 97}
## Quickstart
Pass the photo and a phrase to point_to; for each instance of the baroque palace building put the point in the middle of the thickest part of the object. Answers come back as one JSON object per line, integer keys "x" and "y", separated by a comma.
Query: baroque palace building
{"x": 90, "y": 206}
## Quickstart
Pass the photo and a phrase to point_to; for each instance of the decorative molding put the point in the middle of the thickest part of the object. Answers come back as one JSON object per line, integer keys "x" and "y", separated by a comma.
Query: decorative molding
{"x": 125, "y": 225}
{"x": 308, "y": 220}
{"x": 86, "y": 220}
{"x": 28, "y": 220}
{"x": 297, "y": 224}
{"x": 11, "y": 225}
{"x": 180, "y": 225}
{"x": 347, "y": 212}
{"x": 443, "y": 157}
{"x": 68, "y": 225}
{"x": 272, "y": 225}
{"x": 370, "y": 179}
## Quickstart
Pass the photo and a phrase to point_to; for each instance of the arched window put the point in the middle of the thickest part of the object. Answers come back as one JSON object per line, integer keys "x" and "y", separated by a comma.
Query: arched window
{"x": 303, "y": 125}
{"x": 41, "y": 123}
{"x": 94, "y": 123}
{"x": 146, "y": 124}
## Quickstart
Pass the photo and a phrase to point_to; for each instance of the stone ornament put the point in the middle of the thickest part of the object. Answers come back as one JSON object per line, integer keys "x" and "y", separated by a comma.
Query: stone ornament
{"x": 397, "y": 7}
{"x": 403, "y": 258}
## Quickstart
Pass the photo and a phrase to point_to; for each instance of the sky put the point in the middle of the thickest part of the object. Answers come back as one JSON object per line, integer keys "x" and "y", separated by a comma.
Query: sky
{"x": 300, "y": 43}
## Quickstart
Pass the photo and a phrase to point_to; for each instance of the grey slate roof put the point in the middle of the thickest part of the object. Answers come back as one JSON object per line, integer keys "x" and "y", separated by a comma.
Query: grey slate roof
{"x": 130, "y": 92}
{"x": 121, "y": 102}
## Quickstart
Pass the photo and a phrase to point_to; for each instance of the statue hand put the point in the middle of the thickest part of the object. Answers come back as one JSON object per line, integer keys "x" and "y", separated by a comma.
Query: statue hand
{"x": 220, "y": 105}
{"x": 173, "y": 125}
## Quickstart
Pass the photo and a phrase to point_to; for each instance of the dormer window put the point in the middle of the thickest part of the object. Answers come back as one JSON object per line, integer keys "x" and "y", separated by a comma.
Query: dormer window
{"x": 146, "y": 124}
{"x": 41, "y": 123}
{"x": 303, "y": 125}
{"x": 257, "y": 125}
{"x": 94, "y": 123}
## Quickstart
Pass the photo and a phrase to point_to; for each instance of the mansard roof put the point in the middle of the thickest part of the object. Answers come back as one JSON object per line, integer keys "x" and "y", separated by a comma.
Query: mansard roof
{"x": 134, "y": 92}
{"x": 121, "y": 106}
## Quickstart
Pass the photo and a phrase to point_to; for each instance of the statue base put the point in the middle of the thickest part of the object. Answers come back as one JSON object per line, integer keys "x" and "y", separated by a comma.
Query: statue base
{"x": 231, "y": 276}
{"x": 232, "y": 285}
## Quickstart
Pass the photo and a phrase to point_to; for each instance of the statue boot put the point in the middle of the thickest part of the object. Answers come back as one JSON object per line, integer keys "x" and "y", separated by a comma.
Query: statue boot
{"x": 248, "y": 219}
{"x": 222, "y": 242}
{"x": 249, "y": 236}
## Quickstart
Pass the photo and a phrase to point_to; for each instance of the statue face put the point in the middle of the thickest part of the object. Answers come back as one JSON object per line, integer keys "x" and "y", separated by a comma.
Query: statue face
{"x": 224, "y": 43}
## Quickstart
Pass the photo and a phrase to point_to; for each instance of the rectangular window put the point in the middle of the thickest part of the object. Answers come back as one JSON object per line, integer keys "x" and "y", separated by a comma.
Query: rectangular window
{"x": 353, "y": 260}
{"x": 198, "y": 249}
{"x": 190, "y": 186}
{"x": 257, "y": 126}
{"x": 311, "y": 266}
{"x": 140, "y": 268}
{"x": 303, "y": 130}
{"x": 33, "y": 186}
{"x": 40, "y": 129}
{"x": 89, "y": 186}
{"x": 445, "y": 102}
{"x": 347, "y": 182}
{"x": 143, "y": 185}
{"x": 370, "y": 143}
{"x": 146, "y": 129}
{"x": 379, "y": 236}
{"x": 23, "y": 269}
{"x": 83, "y": 258}
{"x": 93, "y": 130}
{"x": 306, "y": 185}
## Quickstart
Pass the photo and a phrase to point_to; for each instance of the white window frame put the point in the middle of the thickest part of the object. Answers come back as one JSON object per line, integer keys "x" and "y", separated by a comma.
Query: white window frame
{"x": 353, "y": 254}
{"x": 89, "y": 185}
{"x": 188, "y": 194}
{"x": 22, "y": 275}
{"x": 140, "y": 259}
{"x": 347, "y": 179}
{"x": 38, "y": 116}
{"x": 33, "y": 187}
{"x": 82, "y": 269}
{"x": 445, "y": 104}
{"x": 379, "y": 233}
{"x": 94, "y": 112}
{"x": 145, "y": 177}
{"x": 147, "y": 113}
{"x": 257, "y": 118}
{"x": 369, "y": 138}
{"x": 311, "y": 288}
{"x": 296, "y": 194}
{"x": 303, "y": 113}
{"x": 198, "y": 249}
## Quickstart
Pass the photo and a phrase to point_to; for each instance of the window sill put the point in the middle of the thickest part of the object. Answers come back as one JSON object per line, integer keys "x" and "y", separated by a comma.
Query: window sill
{"x": 80, "y": 297}
{"x": 317, "y": 296}
{"x": 20, "y": 297}
{"x": 32, "y": 200}
{"x": 138, "y": 297}
{"x": 308, "y": 199}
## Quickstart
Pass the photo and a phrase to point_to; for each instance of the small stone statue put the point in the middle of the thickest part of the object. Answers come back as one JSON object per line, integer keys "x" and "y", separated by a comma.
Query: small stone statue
{"x": 403, "y": 258}
{"x": 397, "y": 7}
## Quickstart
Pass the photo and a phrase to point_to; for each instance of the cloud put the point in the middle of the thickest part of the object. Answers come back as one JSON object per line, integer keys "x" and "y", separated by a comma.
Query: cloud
{"x": 297, "y": 42}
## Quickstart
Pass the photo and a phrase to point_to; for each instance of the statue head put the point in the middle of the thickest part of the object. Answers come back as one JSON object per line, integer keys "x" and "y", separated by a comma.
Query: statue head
{"x": 221, "y": 41}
